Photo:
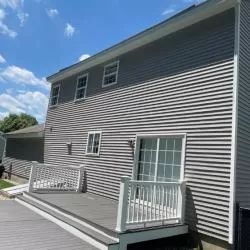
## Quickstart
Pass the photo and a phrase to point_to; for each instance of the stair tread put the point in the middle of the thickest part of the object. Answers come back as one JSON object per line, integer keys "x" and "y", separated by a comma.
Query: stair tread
{"x": 86, "y": 230}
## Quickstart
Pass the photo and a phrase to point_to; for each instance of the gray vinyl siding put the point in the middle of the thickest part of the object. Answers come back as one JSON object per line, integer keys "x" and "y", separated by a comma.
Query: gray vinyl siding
{"x": 181, "y": 83}
{"x": 21, "y": 152}
{"x": 243, "y": 149}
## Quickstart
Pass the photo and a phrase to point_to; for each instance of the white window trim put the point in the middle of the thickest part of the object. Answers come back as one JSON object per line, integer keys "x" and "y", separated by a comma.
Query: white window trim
{"x": 57, "y": 85}
{"x": 167, "y": 135}
{"x": 99, "y": 147}
{"x": 81, "y": 76}
{"x": 117, "y": 72}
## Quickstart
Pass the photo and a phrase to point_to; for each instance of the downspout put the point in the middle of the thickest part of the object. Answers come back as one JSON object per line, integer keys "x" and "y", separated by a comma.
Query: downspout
{"x": 232, "y": 204}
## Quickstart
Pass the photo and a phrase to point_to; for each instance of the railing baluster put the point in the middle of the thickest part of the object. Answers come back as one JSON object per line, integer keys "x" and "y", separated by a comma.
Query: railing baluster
{"x": 139, "y": 200}
{"x": 151, "y": 200}
{"x": 168, "y": 206}
{"x": 162, "y": 202}
{"x": 143, "y": 202}
{"x": 171, "y": 201}
{"x": 146, "y": 215}
{"x": 176, "y": 200}
{"x": 159, "y": 201}
{"x": 134, "y": 202}
{"x": 129, "y": 204}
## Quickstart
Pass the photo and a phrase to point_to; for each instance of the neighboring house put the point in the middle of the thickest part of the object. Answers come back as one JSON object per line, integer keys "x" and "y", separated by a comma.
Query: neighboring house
{"x": 22, "y": 147}
{"x": 167, "y": 105}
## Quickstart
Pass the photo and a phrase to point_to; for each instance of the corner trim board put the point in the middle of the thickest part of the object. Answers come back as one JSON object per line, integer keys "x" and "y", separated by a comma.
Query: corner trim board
{"x": 234, "y": 126}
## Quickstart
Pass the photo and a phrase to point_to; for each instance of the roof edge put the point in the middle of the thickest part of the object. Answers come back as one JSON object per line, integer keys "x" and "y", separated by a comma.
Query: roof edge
{"x": 26, "y": 135}
{"x": 180, "y": 21}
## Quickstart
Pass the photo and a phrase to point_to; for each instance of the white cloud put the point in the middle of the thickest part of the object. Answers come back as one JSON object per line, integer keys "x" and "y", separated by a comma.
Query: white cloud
{"x": 9, "y": 91}
{"x": 83, "y": 57}
{"x": 13, "y": 4}
{"x": 16, "y": 75}
{"x": 194, "y": 1}
{"x": 2, "y": 14}
{"x": 23, "y": 17}
{"x": 11, "y": 104}
{"x": 17, "y": 7}
{"x": 69, "y": 30}
{"x": 52, "y": 12}
{"x": 2, "y": 60}
{"x": 168, "y": 11}
{"x": 4, "y": 29}
{"x": 34, "y": 103}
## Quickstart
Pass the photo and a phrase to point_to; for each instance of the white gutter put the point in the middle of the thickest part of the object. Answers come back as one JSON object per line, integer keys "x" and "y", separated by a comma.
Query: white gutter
{"x": 185, "y": 19}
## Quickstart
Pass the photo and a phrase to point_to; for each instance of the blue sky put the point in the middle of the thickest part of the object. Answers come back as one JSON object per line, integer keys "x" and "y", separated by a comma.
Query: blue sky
{"x": 39, "y": 37}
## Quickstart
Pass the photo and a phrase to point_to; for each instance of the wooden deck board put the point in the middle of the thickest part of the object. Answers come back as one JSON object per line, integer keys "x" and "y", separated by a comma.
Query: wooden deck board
{"x": 99, "y": 210}
{"x": 20, "y": 228}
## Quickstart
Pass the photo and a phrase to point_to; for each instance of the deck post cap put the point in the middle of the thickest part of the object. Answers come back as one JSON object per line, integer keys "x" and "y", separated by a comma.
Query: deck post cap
{"x": 125, "y": 178}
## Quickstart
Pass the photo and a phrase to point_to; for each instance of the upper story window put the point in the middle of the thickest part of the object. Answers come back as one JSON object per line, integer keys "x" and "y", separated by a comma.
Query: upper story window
{"x": 54, "y": 95}
{"x": 110, "y": 74}
{"x": 94, "y": 142}
{"x": 81, "y": 87}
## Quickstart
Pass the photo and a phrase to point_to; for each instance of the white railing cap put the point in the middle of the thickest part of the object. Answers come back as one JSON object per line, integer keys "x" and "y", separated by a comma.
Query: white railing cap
{"x": 56, "y": 166}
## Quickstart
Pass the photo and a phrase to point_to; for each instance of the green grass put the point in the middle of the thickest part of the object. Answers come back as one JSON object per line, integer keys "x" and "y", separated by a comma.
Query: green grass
{"x": 5, "y": 184}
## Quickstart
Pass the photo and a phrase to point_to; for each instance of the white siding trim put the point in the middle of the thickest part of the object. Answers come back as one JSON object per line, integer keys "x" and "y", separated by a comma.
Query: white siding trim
{"x": 234, "y": 126}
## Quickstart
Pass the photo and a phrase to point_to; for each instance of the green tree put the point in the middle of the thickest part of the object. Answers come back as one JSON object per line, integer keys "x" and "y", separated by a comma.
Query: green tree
{"x": 14, "y": 122}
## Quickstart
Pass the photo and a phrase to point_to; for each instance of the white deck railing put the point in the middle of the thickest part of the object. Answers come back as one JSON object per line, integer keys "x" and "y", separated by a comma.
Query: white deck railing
{"x": 47, "y": 178}
{"x": 143, "y": 202}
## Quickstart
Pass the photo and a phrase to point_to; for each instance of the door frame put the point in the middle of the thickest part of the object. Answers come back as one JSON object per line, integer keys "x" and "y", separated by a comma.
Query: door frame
{"x": 163, "y": 135}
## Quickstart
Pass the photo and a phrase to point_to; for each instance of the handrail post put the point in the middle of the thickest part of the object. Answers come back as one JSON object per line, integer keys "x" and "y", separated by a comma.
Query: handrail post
{"x": 182, "y": 201}
{"x": 32, "y": 175}
{"x": 80, "y": 178}
{"x": 123, "y": 204}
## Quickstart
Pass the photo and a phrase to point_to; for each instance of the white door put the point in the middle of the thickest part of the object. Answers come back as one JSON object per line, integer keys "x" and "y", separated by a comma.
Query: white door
{"x": 159, "y": 158}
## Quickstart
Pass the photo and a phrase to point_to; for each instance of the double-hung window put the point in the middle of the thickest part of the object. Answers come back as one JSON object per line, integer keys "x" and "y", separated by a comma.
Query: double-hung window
{"x": 81, "y": 87}
{"x": 110, "y": 74}
{"x": 54, "y": 95}
{"x": 93, "y": 143}
{"x": 160, "y": 158}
